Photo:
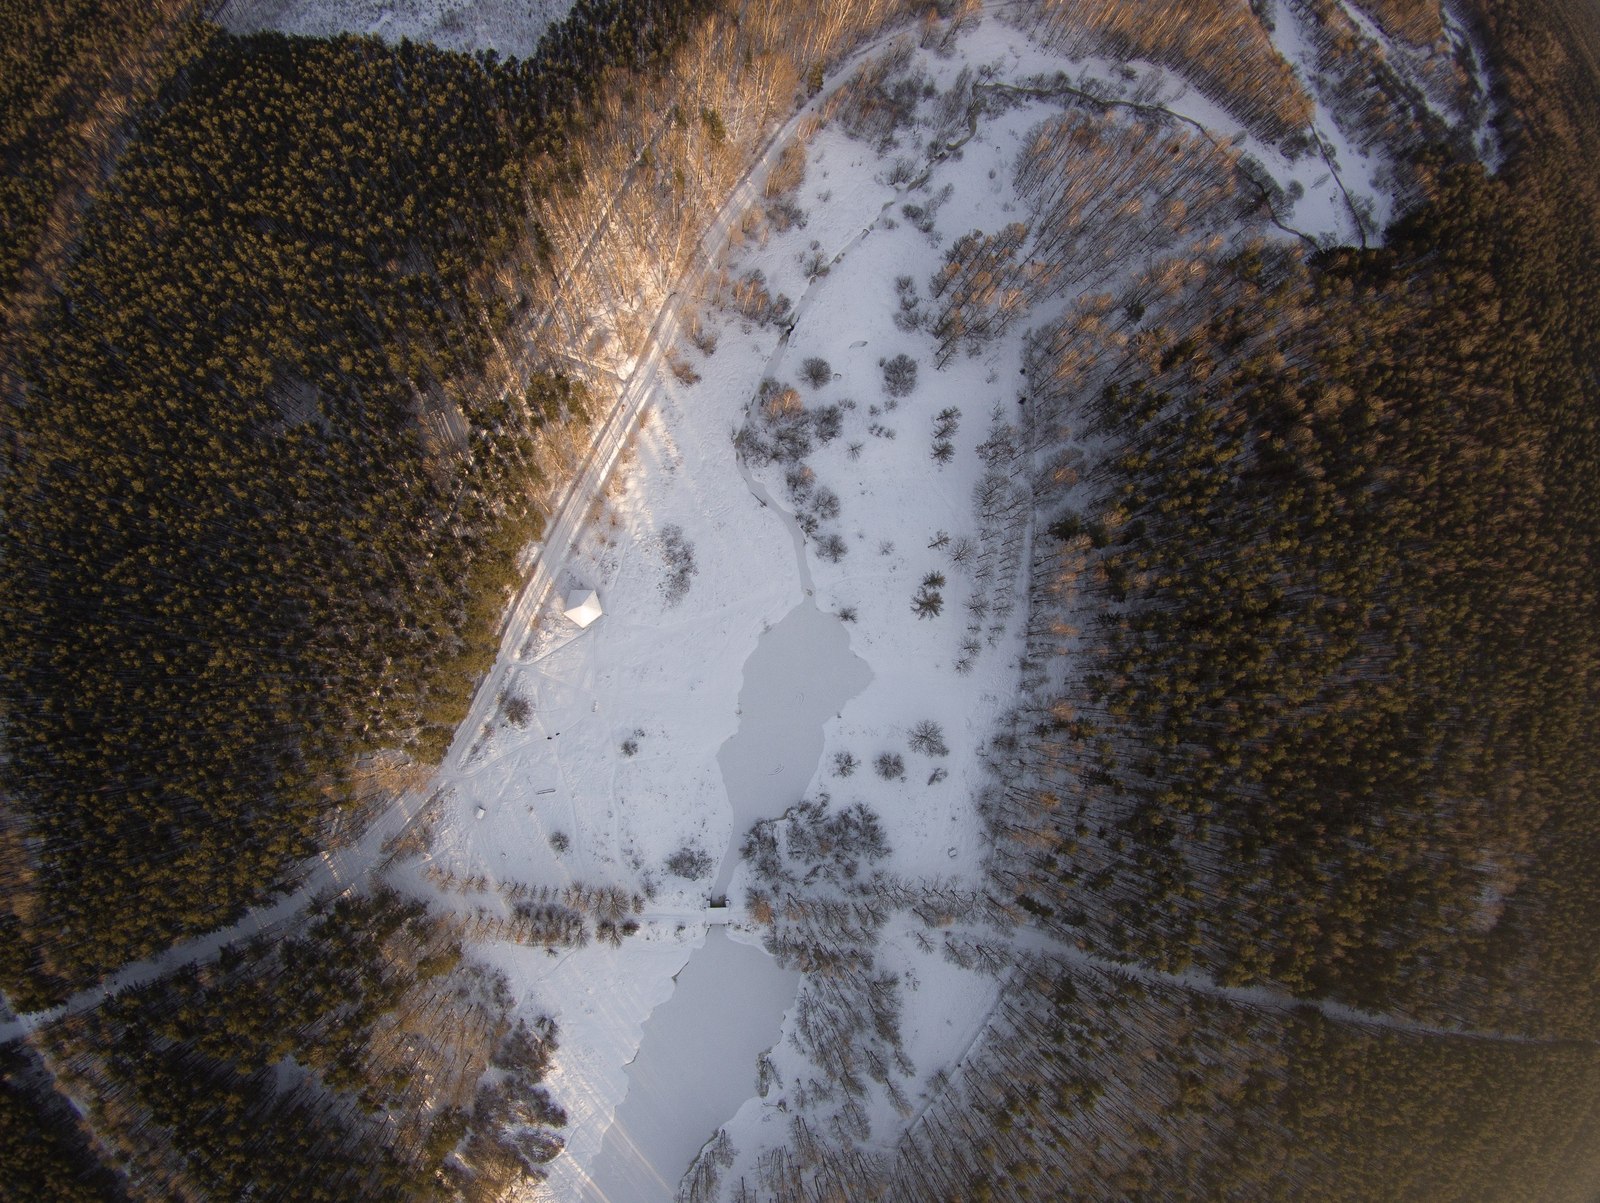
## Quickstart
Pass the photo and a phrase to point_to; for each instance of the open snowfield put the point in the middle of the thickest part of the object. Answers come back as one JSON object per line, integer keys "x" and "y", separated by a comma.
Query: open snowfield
{"x": 651, "y": 728}
{"x": 511, "y": 28}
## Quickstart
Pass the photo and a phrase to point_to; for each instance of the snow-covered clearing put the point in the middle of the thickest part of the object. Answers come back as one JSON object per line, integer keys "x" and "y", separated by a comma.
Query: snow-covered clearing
{"x": 511, "y": 28}
{"x": 636, "y": 742}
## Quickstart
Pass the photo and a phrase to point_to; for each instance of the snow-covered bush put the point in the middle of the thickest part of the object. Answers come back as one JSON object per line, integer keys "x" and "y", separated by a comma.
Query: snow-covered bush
{"x": 749, "y": 296}
{"x": 778, "y": 428}
{"x": 785, "y": 215}
{"x": 704, "y": 338}
{"x": 813, "y": 835}
{"x": 678, "y": 553}
{"x": 827, "y": 423}
{"x": 907, "y": 317}
{"x": 517, "y": 710}
{"x": 682, "y": 370}
{"x": 690, "y": 863}
{"x": 900, "y": 376}
{"x": 927, "y": 737}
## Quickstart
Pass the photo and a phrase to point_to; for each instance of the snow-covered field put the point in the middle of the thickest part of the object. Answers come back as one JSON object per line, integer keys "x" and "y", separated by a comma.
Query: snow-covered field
{"x": 687, "y": 713}
{"x": 645, "y": 725}
{"x": 742, "y": 664}
{"x": 511, "y": 28}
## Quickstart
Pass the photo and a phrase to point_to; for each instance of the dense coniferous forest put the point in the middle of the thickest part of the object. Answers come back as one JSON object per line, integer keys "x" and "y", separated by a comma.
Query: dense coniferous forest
{"x": 199, "y": 637}
{"x": 72, "y": 78}
{"x": 1342, "y": 681}
{"x": 265, "y": 490}
{"x": 43, "y": 1147}
{"x": 341, "y": 1061}
{"x": 1382, "y": 680}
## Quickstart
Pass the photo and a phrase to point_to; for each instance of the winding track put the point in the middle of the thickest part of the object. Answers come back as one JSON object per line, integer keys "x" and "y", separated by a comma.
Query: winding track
{"x": 339, "y": 870}
{"x": 336, "y": 871}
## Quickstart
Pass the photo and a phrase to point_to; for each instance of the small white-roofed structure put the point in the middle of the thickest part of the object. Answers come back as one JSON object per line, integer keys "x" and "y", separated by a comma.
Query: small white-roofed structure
{"x": 583, "y": 606}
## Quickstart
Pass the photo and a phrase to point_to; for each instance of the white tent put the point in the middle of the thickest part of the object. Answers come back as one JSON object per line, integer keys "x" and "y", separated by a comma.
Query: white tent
{"x": 583, "y": 606}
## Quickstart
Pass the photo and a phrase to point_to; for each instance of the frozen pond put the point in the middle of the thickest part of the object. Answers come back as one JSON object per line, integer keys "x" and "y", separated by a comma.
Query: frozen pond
{"x": 696, "y": 1065}
{"x": 697, "y": 1053}
{"x": 800, "y": 674}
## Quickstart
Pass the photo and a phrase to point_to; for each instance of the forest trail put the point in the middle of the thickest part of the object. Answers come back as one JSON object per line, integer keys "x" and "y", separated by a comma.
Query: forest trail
{"x": 334, "y": 872}
{"x": 1042, "y": 944}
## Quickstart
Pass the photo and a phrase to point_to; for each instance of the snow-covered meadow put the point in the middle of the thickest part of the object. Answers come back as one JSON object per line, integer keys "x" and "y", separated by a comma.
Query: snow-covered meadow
{"x": 833, "y": 619}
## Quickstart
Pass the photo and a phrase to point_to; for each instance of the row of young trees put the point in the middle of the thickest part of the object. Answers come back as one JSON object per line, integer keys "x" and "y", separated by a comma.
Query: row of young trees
{"x": 1417, "y": 22}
